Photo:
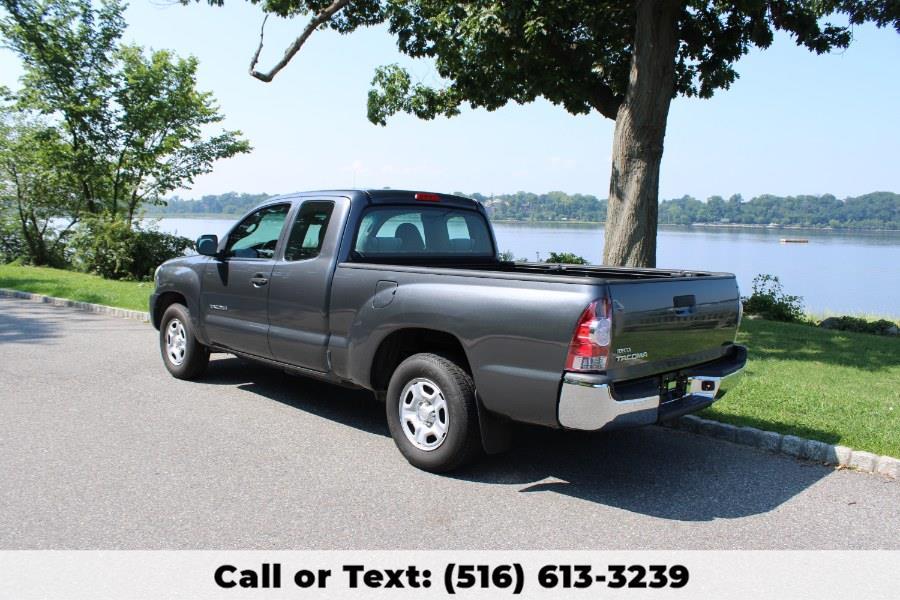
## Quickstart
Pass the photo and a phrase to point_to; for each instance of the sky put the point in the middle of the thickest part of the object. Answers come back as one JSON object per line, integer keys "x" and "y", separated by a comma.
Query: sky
{"x": 794, "y": 123}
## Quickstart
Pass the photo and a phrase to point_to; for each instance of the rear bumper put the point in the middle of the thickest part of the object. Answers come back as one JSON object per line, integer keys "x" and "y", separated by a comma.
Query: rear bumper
{"x": 593, "y": 402}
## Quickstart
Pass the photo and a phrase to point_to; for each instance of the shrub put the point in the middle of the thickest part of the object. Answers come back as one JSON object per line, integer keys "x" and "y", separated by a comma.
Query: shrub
{"x": 846, "y": 323}
{"x": 566, "y": 258}
{"x": 115, "y": 250}
{"x": 12, "y": 246}
{"x": 769, "y": 301}
{"x": 41, "y": 247}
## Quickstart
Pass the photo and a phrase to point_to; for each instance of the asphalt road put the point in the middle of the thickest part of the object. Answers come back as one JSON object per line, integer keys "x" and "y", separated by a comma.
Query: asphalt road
{"x": 101, "y": 448}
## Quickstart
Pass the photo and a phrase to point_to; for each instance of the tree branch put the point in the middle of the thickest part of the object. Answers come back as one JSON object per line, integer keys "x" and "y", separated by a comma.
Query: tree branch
{"x": 318, "y": 20}
{"x": 605, "y": 101}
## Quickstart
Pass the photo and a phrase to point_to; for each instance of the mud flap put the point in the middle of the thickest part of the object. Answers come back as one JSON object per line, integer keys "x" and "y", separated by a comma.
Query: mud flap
{"x": 496, "y": 432}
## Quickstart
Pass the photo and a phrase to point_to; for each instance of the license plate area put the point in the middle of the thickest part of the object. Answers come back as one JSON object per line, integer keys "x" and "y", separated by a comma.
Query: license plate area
{"x": 672, "y": 386}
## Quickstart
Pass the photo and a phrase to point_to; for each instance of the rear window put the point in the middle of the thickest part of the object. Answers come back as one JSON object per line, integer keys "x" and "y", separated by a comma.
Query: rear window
{"x": 423, "y": 231}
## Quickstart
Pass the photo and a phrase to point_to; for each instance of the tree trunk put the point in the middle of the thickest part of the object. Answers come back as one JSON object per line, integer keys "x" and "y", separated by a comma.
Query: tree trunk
{"x": 638, "y": 139}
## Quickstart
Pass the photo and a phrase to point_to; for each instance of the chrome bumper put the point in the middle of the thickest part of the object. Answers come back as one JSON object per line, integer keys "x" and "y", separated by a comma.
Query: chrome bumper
{"x": 592, "y": 407}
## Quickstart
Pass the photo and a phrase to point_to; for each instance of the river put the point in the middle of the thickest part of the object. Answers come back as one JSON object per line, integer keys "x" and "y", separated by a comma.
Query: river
{"x": 836, "y": 272}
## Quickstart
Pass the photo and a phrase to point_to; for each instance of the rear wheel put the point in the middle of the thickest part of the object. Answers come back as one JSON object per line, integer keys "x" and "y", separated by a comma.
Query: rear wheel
{"x": 183, "y": 355}
{"x": 432, "y": 414}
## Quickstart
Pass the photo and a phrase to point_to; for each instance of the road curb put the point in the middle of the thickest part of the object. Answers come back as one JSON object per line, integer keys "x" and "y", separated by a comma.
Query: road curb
{"x": 791, "y": 445}
{"x": 101, "y": 309}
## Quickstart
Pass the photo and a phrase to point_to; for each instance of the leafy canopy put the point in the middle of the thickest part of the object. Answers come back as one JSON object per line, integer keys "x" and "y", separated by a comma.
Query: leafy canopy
{"x": 576, "y": 53}
{"x": 131, "y": 122}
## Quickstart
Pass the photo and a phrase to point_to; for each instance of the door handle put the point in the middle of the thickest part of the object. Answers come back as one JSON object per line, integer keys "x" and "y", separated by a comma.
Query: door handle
{"x": 259, "y": 280}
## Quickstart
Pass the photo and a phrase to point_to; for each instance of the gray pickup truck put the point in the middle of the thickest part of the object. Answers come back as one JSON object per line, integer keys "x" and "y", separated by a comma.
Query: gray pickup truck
{"x": 402, "y": 293}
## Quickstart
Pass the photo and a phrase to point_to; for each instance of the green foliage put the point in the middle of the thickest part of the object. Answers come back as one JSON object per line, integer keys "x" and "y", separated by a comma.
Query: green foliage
{"x": 12, "y": 246}
{"x": 860, "y": 325}
{"x": 566, "y": 258}
{"x": 231, "y": 203}
{"x": 769, "y": 301}
{"x": 115, "y": 250}
{"x": 506, "y": 256}
{"x": 394, "y": 92}
{"x": 578, "y": 54}
{"x": 552, "y": 206}
{"x": 35, "y": 197}
{"x": 130, "y": 124}
{"x": 877, "y": 210}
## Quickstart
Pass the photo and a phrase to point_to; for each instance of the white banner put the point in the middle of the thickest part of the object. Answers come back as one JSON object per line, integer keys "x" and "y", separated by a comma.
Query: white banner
{"x": 239, "y": 575}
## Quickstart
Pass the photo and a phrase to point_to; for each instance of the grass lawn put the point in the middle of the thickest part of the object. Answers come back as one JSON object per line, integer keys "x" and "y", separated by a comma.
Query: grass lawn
{"x": 833, "y": 386}
{"x": 76, "y": 286}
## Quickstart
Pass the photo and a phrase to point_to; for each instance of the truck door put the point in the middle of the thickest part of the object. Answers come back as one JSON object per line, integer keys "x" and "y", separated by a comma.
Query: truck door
{"x": 236, "y": 285}
{"x": 300, "y": 286}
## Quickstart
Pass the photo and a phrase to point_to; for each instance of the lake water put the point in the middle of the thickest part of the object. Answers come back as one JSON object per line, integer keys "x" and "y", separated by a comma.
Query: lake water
{"x": 836, "y": 272}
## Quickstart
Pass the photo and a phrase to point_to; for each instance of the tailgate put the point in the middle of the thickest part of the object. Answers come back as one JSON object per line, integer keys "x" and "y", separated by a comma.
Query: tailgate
{"x": 662, "y": 325}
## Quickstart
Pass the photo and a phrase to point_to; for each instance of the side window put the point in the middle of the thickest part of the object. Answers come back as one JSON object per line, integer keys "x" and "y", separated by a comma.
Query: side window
{"x": 308, "y": 231}
{"x": 257, "y": 235}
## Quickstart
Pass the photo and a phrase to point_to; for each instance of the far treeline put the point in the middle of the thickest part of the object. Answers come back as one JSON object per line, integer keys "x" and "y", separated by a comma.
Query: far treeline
{"x": 877, "y": 210}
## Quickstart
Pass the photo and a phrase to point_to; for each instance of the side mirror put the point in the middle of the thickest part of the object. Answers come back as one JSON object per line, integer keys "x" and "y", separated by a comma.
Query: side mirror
{"x": 208, "y": 245}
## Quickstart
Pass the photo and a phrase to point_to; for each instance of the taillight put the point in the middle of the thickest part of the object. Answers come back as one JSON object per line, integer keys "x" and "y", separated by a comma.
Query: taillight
{"x": 590, "y": 343}
{"x": 427, "y": 197}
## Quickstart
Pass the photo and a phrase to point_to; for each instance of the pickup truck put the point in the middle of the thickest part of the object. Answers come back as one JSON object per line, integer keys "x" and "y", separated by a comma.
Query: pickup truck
{"x": 402, "y": 293}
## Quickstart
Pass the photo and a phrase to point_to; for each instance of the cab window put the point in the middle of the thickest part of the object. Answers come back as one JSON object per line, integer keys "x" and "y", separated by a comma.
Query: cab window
{"x": 423, "y": 232}
{"x": 308, "y": 231}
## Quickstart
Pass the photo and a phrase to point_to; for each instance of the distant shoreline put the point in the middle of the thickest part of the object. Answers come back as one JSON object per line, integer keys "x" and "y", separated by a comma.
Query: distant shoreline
{"x": 235, "y": 217}
{"x": 702, "y": 225}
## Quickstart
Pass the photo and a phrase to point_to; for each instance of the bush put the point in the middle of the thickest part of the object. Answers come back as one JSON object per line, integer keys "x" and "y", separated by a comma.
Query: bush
{"x": 115, "y": 250}
{"x": 566, "y": 258}
{"x": 845, "y": 323}
{"x": 769, "y": 301}
{"x": 12, "y": 246}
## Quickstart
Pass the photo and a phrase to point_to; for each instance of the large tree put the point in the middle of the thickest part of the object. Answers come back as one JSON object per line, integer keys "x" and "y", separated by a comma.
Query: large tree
{"x": 130, "y": 124}
{"x": 625, "y": 60}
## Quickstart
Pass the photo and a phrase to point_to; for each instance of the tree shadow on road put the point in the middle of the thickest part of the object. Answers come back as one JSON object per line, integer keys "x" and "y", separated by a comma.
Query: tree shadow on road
{"x": 18, "y": 329}
{"x": 652, "y": 471}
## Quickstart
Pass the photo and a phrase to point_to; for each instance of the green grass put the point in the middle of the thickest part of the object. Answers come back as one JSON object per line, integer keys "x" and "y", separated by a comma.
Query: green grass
{"x": 834, "y": 386}
{"x": 76, "y": 286}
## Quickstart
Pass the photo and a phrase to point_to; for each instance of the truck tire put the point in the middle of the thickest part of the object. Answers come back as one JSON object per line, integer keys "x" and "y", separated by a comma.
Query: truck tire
{"x": 432, "y": 414}
{"x": 183, "y": 355}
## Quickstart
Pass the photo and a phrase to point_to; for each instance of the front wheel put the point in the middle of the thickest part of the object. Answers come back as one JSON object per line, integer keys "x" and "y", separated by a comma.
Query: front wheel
{"x": 183, "y": 355}
{"x": 432, "y": 414}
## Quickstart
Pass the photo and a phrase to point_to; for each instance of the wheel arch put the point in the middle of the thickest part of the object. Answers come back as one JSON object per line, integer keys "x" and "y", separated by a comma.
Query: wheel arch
{"x": 165, "y": 300}
{"x": 403, "y": 343}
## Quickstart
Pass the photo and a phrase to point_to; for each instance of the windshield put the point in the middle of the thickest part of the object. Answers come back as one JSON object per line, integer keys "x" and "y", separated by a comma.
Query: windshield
{"x": 414, "y": 231}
